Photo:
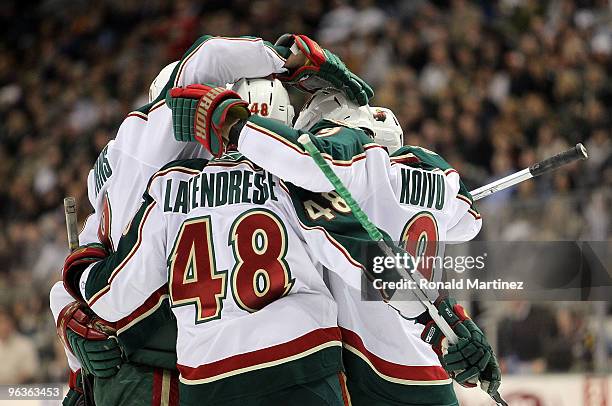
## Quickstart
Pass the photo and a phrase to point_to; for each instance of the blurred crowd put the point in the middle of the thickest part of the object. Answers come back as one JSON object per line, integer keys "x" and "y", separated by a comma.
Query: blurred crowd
{"x": 491, "y": 86}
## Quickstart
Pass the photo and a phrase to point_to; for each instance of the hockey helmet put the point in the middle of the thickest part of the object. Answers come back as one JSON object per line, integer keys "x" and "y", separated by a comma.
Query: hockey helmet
{"x": 266, "y": 98}
{"x": 332, "y": 104}
{"x": 160, "y": 81}
{"x": 386, "y": 128}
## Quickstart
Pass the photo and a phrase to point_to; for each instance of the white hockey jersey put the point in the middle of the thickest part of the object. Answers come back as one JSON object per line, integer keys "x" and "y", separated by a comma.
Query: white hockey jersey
{"x": 240, "y": 259}
{"x": 415, "y": 196}
{"x": 144, "y": 142}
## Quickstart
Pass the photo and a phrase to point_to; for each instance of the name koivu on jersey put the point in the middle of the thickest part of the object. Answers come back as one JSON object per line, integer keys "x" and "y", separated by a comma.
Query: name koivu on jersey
{"x": 422, "y": 188}
{"x": 218, "y": 189}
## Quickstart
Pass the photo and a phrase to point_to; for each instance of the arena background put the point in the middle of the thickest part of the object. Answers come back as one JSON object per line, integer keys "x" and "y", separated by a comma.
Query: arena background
{"x": 491, "y": 86}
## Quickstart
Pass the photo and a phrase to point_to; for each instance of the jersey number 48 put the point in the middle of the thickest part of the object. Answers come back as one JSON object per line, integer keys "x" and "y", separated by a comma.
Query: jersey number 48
{"x": 260, "y": 274}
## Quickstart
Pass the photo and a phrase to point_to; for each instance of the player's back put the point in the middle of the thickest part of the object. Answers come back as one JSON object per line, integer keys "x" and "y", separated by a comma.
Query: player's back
{"x": 124, "y": 166}
{"x": 115, "y": 185}
{"x": 431, "y": 205}
{"x": 249, "y": 301}
{"x": 415, "y": 197}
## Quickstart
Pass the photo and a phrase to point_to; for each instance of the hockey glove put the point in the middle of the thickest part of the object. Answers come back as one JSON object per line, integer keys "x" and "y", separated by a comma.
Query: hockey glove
{"x": 322, "y": 69}
{"x": 78, "y": 394}
{"x": 469, "y": 357}
{"x": 77, "y": 262}
{"x": 91, "y": 339}
{"x": 203, "y": 113}
{"x": 73, "y": 398}
{"x": 490, "y": 378}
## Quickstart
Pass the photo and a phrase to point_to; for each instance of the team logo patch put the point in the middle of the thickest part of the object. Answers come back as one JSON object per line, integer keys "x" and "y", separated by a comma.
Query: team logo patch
{"x": 380, "y": 115}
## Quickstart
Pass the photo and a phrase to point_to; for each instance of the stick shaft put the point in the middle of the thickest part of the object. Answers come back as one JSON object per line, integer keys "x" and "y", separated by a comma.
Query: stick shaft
{"x": 501, "y": 184}
{"x": 537, "y": 169}
{"x": 71, "y": 223}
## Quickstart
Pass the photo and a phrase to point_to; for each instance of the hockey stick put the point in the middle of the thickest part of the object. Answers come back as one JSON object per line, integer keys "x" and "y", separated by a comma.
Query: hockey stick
{"x": 73, "y": 243}
{"x": 537, "y": 169}
{"x": 71, "y": 223}
{"x": 424, "y": 297}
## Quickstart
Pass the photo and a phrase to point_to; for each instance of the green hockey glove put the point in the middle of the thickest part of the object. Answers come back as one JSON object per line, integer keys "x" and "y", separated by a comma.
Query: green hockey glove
{"x": 91, "y": 339}
{"x": 203, "y": 113}
{"x": 490, "y": 378}
{"x": 322, "y": 69}
{"x": 470, "y": 356}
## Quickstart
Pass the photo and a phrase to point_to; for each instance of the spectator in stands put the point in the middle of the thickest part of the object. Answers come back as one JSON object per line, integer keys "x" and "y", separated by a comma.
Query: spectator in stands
{"x": 18, "y": 353}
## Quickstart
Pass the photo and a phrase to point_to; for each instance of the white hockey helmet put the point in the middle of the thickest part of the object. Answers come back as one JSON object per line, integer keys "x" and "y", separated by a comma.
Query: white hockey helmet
{"x": 160, "y": 81}
{"x": 332, "y": 104}
{"x": 386, "y": 128}
{"x": 266, "y": 98}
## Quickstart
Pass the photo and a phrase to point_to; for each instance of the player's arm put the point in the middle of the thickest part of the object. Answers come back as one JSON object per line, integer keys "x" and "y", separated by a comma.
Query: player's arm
{"x": 335, "y": 238}
{"x": 116, "y": 284}
{"x": 220, "y": 60}
{"x": 59, "y": 298}
{"x": 129, "y": 286}
{"x": 215, "y": 117}
{"x": 126, "y": 288}
{"x": 295, "y": 58}
{"x": 361, "y": 164}
{"x": 467, "y": 220}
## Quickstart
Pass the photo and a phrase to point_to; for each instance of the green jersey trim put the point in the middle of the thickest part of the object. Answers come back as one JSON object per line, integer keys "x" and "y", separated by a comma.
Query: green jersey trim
{"x": 262, "y": 381}
{"x": 104, "y": 271}
{"x": 371, "y": 386}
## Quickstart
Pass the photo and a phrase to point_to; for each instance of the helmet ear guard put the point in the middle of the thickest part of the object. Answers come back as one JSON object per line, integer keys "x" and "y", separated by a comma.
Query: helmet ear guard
{"x": 266, "y": 98}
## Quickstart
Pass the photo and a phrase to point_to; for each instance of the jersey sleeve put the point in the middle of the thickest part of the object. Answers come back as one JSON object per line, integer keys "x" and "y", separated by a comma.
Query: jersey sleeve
{"x": 465, "y": 220}
{"x": 130, "y": 286}
{"x": 359, "y": 163}
{"x": 58, "y": 299}
{"x": 123, "y": 282}
{"x": 221, "y": 60}
{"x": 145, "y": 137}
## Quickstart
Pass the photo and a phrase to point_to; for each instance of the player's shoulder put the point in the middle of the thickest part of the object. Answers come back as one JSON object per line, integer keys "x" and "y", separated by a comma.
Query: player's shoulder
{"x": 183, "y": 165}
{"x": 143, "y": 112}
{"x": 420, "y": 157}
{"x": 341, "y": 140}
{"x": 180, "y": 168}
{"x": 340, "y": 130}
{"x": 423, "y": 158}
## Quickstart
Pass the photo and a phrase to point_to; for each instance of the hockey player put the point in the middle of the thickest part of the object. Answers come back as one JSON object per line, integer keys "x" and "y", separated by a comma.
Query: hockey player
{"x": 142, "y": 146}
{"x": 232, "y": 246}
{"x": 415, "y": 197}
